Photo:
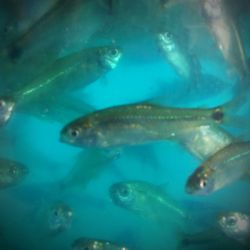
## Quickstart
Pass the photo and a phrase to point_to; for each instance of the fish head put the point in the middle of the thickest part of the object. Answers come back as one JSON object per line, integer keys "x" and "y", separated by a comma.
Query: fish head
{"x": 6, "y": 108}
{"x": 87, "y": 244}
{"x": 166, "y": 41}
{"x": 81, "y": 132}
{"x": 234, "y": 224}
{"x": 17, "y": 171}
{"x": 201, "y": 182}
{"x": 110, "y": 57}
{"x": 60, "y": 217}
{"x": 122, "y": 194}
{"x": 213, "y": 9}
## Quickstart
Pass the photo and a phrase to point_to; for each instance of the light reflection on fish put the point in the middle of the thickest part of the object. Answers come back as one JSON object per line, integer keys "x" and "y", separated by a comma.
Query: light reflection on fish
{"x": 205, "y": 140}
{"x": 221, "y": 169}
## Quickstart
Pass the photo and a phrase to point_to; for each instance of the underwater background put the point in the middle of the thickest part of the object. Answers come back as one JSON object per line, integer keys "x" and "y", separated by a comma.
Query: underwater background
{"x": 27, "y": 218}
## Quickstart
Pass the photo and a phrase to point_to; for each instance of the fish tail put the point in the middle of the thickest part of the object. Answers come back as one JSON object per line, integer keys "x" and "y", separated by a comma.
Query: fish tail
{"x": 234, "y": 113}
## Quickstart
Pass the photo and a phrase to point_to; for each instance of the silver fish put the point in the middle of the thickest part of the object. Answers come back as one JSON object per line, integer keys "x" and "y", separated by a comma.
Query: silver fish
{"x": 226, "y": 34}
{"x": 175, "y": 54}
{"x": 221, "y": 169}
{"x": 136, "y": 124}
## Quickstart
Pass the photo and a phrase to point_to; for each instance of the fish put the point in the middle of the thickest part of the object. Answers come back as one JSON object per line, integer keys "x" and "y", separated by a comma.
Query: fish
{"x": 224, "y": 167}
{"x": 205, "y": 140}
{"x": 60, "y": 217}
{"x": 236, "y": 225}
{"x": 137, "y": 123}
{"x": 11, "y": 172}
{"x": 176, "y": 55}
{"x": 84, "y": 243}
{"x": 147, "y": 200}
{"x": 226, "y": 34}
{"x": 6, "y": 109}
{"x": 89, "y": 165}
{"x": 66, "y": 74}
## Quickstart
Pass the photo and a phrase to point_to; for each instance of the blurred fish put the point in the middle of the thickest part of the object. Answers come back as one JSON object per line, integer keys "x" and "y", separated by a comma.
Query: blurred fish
{"x": 221, "y": 169}
{"x": 60, "y": 218}
{"x": 95, "y": 244}
{"x": 138, "y": 123}
{"x": 227, "y": 35}
{"x": 236, "y": 225}
{"x": 6, "y": 108}
{"x": 89, "y": 165}
{"x": 11, "y": 173}
{"x": 147, "y": 200}
{"x": 68, "y": 73}
{"x": 175, "y": 54}
{"x": 205, "y": 140}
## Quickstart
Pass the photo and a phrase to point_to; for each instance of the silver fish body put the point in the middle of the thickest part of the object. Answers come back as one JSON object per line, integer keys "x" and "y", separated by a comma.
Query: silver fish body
{"x": 205, "y": 140}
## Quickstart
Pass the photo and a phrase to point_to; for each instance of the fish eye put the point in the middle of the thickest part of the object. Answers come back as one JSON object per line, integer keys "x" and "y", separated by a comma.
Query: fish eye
{"x": 203, "y": 183}
{"x": 114, "y": 52}
{"x": 74, "y": 132}
{"x": 124, "y": 191}
{"x": 231, "y": 221}
{"x": 13, "y": 171}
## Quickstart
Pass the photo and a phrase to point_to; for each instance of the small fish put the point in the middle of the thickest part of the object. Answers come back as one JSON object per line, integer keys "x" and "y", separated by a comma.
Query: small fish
{"x": 147, "y": 200}
{"x": 236, "y": 226}
{"x": 95, "y": 244}
{"x": 175, "y": 54}
{"x": 6, "y": 108}
{"x": 137, "y": 124}
{"x": 68, "y": 73}
{"x": 11, "y": 172}
{"x": 60, "y": 217}
{"x": 226, "y": 34}
{"x": 221, "y": 169}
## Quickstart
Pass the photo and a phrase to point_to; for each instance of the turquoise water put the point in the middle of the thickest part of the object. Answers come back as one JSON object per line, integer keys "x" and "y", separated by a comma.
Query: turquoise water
{"x": 142, "y": 74}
